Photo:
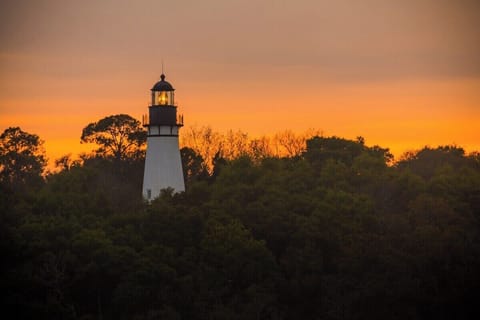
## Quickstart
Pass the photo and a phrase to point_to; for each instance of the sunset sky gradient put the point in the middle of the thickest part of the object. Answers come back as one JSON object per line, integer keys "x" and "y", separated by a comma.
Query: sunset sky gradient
{"x": 402, "y": 74}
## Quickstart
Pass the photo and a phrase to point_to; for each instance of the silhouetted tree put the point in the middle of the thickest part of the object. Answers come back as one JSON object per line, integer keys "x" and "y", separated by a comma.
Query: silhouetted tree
{"x": 193, "y": 165}
{"x": 22, "y": 158}
{"x": 119, "y": 136}
{"x": 425, "y": 161}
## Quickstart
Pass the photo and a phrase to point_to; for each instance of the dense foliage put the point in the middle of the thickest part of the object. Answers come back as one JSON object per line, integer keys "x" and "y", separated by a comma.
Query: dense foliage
{"x": 337, "y": 232}
{"x": 22, "y": 159}
{"x": 119, "y": 136}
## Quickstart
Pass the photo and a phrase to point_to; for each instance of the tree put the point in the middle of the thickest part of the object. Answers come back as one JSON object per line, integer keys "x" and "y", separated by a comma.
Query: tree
{"x": 235, "y": 144}
{"x": 119, "y": 136}
{"x": 204, "y": 141}
{"x": 260, "y": 148}
{"x": 426, "y": 161}
{"x": 22, "y": 158}
{"x": 320, "y": 149}
{"x": 193, "y": 165}
{"x": 292, "y": 144}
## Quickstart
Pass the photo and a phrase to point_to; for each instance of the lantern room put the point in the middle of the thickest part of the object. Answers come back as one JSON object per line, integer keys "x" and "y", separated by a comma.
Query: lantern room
{"x": 163, "y": 93}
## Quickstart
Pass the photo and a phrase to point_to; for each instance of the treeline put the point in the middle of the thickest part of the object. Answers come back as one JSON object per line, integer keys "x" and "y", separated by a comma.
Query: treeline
{"x": 210, "y": 144}
{"x": 337, "y": 231}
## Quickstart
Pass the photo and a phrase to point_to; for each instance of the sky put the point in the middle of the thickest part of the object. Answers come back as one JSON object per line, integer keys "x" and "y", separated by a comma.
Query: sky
{"x": 402, "y": 74}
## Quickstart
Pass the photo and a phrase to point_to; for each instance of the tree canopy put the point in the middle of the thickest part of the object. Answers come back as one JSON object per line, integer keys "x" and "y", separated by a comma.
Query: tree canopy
{"x": 119, "y": 136}
{"x": 335, "y": 231}
{"x": 22, "y": 158}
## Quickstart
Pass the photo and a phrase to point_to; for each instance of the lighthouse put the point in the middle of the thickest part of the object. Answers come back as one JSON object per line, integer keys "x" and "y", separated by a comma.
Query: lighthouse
{"x": 163, "y": 165}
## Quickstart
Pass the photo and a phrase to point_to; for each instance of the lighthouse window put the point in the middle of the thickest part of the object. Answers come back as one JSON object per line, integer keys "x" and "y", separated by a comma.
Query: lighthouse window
{"x": 149, "y": 194}
{"x": 163, "y": 98}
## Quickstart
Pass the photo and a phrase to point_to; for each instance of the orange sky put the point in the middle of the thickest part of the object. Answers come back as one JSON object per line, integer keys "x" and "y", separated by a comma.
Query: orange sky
{"x": 403, "y": 74}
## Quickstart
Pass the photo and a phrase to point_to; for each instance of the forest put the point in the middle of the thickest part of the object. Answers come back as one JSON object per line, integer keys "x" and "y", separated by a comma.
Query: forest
{"x": 287, "y": 227}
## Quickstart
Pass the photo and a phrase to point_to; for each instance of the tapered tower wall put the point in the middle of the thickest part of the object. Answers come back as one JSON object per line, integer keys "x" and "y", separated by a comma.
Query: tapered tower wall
{"x": 163, "y": 166}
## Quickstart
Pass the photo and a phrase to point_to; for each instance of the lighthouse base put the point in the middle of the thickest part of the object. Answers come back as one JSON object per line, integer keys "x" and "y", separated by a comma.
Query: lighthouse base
{"x": 163, "y": 166}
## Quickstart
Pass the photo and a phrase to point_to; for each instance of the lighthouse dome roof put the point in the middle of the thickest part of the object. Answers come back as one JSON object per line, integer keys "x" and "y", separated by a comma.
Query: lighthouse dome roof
{"x": 162, "y": 85}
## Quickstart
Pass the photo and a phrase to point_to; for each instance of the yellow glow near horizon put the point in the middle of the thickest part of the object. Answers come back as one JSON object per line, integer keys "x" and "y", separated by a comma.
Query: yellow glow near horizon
{"x": 401, "y": 115}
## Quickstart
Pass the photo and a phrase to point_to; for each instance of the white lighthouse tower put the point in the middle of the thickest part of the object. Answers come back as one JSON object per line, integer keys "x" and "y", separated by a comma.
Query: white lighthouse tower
{"x": 163, "y": 165}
